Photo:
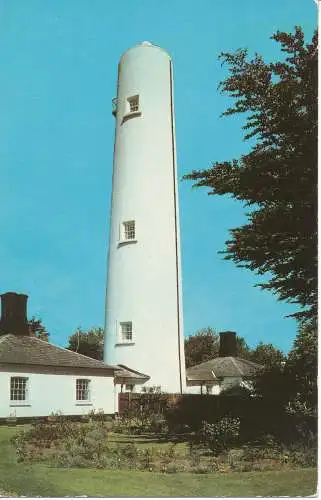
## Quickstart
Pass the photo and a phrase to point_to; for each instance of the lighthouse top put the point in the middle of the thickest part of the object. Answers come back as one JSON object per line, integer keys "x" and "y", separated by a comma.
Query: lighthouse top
{"x": 146, "y": 44}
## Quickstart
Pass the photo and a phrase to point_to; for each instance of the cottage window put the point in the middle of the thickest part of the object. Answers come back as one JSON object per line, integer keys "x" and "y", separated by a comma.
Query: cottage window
{"x": 18, "y": 388}
{"x": 82, "y": 389}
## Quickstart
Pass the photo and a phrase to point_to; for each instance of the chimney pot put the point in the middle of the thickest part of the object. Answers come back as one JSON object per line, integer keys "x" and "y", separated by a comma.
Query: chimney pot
{"x": 228, "y": 344}
{"x": 14, "y": 314}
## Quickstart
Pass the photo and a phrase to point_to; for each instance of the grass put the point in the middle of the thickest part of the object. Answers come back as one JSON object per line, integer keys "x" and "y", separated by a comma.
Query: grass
{"x": 41, "y": 480}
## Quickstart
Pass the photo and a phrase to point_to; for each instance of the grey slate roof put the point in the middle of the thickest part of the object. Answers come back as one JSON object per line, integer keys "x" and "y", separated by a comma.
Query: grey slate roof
{"x": 125, "y": 374}
{"x": 15, "y": 349}
{"x": 221, "y": 367}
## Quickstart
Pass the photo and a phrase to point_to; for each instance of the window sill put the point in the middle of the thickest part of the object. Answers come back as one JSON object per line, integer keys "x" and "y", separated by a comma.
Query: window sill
{"x": 125, "y": 343}
{"x": 126, "y": 242}
{"x": 84, "y": 404}
{"x": 133, "y": 114}
{"x": 17, "y": 405}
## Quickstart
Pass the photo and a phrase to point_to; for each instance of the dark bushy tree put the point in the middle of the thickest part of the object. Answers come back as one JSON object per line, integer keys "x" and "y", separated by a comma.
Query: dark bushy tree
{"x": 267, "y": 355}
{"x": 37, "y": 329}
{"x": 201, "y": 346}
{"x": 89, "y": 343}
{"x": 292, "y": 385}
{"x": 277, "y": 179}
{"x": 302, "y": 365}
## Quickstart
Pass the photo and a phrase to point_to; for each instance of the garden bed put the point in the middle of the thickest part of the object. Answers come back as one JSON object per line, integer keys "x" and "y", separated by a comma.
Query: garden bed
{"x": 39, "y": 479}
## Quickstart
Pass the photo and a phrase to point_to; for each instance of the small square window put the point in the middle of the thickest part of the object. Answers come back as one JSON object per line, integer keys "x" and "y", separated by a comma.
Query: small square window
{"x": 126, "y": 331}
{"x": 129, "y": 232}
{"x": 82, "y": 389}
{"x": 18, "y": 388}
{"x": 133, "y": 104}
{"x": 129, "y": 387}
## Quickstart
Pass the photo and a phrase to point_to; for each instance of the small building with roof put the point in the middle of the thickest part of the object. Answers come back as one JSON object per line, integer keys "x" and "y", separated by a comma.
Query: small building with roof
{"x": 226, "y": 372}
{"x": 38, "y": 378}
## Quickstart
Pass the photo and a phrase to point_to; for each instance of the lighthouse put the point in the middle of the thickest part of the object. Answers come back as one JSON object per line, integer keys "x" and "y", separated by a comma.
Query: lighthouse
{"x": 144, "y": 321}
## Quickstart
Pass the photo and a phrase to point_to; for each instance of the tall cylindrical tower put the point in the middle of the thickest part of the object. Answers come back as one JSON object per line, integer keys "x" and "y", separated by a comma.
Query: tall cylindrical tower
{"x": 144, "y": 323}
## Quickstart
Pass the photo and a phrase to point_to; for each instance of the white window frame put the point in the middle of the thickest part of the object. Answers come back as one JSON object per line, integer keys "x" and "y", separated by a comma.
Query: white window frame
{"x": 133, "y": 104}
{"x": 22, "y": 384}
{"x": 132, "y": 107}
{"x": 123, "y": 340}
{"x": 83, "y": 382}
{"x": 123, "y": 230}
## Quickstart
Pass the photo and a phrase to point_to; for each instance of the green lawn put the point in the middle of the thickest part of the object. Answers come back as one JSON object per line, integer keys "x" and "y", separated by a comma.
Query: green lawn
{"x": 34, "y": 480}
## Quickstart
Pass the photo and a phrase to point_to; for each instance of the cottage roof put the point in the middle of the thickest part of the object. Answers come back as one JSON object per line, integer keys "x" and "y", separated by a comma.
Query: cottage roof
{"x": 127, "y": 375}
{"x": 32, "y": 351}
{"x": 221, "y": 367}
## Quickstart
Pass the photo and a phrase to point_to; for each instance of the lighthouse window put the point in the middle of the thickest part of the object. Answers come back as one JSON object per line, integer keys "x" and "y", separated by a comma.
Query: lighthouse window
{"x": 126, "y": 331}
{"x": 129, "y": 230}
{"x": 133, "y": 103}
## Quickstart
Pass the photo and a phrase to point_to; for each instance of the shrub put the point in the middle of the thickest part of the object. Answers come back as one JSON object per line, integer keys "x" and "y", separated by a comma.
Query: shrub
{"x": 195, "y": 453}
{"x": 220, "y": 435}
{"x": 135, "y": 425}
{"x": 85, "y": 446}
{"x": 68, "y": 443}
{"x": 171, "y": 469}
{"x": 146, "y": 460}
{"x": 202, "y": 469}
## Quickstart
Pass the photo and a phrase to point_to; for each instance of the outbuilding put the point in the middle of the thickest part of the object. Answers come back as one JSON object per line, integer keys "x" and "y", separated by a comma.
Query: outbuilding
{"x": 38, "y": 378}
{"x": 226, "y": 372}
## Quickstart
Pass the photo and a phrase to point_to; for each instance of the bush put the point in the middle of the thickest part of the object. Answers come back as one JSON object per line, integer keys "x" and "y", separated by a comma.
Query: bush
{"x": 135, "y": 425}
{"x": 86, "y": 446}
{"x": 66, "y": 442}
{"x": 220, "y": 435}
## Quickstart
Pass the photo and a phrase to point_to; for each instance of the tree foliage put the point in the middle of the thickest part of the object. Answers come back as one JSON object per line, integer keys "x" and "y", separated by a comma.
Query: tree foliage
{"x": 302, "y": 364}
{"x": 277, "y": 179}
{"x": 89, "y": 343}
{"x": 38, "y": 329}
{"x": 204, "y": 345}
{"x": 293, "y": 385}
{"x": 267, "y": 355}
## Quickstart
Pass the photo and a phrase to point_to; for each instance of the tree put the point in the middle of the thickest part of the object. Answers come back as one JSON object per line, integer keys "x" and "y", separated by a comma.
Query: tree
{"x": 277, "y": 179}
{"x": 267, "y": 355}
{"x": 302, "y": 365}
{"x": 294, "y": 382}
{"x": 201, "y": 346}
{"x": 205, "y": 344}
{"x": 89, "y": 343}
{"x": 37, "y": 329}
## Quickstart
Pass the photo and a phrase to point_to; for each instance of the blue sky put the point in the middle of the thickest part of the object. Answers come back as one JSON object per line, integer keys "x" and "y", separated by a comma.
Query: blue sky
{"x": 59, "y": 68}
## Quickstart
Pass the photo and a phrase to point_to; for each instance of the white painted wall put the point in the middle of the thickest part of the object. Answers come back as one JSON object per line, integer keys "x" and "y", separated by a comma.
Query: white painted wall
{"x": 196, "y": 389}
{"x": 144, "y": 278}
{"x": 217, "y": 388}
{"x": 49, "y": 392}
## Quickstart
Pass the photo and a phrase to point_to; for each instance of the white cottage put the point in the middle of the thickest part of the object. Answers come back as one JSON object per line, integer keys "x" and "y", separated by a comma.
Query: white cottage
{"x": 38, "y": 378}
{"x": 225, "y": 373}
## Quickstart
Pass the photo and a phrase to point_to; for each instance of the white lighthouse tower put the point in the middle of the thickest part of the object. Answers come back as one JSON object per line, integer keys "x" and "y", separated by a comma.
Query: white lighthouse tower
{"x": 144, "y": 323}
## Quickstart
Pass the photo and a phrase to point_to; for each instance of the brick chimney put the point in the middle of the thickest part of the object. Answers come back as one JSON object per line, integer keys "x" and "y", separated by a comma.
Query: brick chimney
{"x": 228, "y": 344}
{"x": 14, "y": 314}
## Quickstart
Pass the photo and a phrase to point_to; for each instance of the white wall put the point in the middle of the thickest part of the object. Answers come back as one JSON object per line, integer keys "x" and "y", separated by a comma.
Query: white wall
{"x": 196, "y": 389}
{"x": 143, "y": 277}
{"x": 217, "y": 388}
{"x": 55, "y": 392}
